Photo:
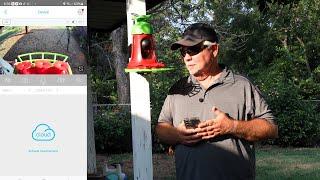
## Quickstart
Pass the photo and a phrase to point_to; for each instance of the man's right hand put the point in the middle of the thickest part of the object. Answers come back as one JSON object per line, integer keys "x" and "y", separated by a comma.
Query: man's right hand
{"x": 177, "y": 135}
{"x": 188, "y": 136}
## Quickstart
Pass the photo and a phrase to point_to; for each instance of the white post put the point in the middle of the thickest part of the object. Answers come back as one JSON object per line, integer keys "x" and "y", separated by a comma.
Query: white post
{"x": 140, "y": 108}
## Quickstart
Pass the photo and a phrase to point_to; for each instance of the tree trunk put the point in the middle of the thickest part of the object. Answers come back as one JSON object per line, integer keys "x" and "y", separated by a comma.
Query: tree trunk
{"x": 91, "y": 164}
{"x": 120, "y": 56}
{"x": 83, "y": 68}
{"x": 305, "y": 55}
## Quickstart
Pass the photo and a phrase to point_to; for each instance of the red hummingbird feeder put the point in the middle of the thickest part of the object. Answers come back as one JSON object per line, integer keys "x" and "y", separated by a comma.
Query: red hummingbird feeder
{"x": 143, "y": 55}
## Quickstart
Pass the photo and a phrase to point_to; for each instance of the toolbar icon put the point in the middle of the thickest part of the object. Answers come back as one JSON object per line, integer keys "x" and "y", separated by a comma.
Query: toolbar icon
{"x": 7, "y": 80}
{"x": 43, "y": 81}
{"x": 6, "y": 22}
{"x": 25, "y": 80}
{"x": 61, "y": 80}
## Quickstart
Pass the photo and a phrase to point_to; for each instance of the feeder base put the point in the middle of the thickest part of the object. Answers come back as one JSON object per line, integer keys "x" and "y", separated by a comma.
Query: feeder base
{"x": 149, "y": 70}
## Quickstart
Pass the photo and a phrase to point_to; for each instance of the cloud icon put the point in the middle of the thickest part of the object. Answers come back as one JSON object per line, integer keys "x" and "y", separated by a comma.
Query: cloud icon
{"x": 43, "y": 132}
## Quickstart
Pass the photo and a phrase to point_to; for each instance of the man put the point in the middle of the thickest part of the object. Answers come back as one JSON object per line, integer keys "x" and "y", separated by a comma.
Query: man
{"x": 232, "y": 111}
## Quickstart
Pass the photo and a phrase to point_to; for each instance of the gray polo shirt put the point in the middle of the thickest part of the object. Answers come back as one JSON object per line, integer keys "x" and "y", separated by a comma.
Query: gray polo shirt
{"x": 224, "y": 157}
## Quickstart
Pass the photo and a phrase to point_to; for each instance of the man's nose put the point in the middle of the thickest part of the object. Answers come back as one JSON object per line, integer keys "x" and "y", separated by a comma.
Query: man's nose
{"x": 187, "y": 57}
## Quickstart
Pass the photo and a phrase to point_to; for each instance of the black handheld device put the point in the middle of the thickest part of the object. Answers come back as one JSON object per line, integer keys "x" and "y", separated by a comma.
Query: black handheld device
{"x": 191, "y": 122}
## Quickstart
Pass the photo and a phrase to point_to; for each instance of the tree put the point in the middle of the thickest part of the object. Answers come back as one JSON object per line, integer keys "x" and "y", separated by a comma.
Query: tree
{"x": 264, "y": 5}
{"x": 120, "y": 60}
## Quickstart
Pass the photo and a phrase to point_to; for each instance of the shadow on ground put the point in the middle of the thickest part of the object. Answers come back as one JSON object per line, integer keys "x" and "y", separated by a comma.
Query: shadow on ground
{"x": 44, "y": 39}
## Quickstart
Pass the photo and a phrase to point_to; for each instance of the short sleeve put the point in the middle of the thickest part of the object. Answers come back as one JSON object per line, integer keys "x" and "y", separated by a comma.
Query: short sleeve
{"x": 166, "y": 111}
{"x": 260, "y": 106}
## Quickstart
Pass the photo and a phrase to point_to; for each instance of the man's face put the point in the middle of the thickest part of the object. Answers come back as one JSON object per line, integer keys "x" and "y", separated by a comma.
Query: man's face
{"x": 199, "y": 59}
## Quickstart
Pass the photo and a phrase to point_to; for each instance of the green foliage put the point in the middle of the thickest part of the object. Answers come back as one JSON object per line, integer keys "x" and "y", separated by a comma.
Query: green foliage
{"x": 297, "y": 119}
{"x": 159, "y": 88}
{"x": 9, "y": 31}
{"x": 106, "y": 90}
{"x": 113, "y": 131}
{"x": 264, "y": 5}
{"x": 313, "y": 53}
{"x": 309, "y": 89}
{"x": 101, "y": 73}
{"x": 317, "y": 74}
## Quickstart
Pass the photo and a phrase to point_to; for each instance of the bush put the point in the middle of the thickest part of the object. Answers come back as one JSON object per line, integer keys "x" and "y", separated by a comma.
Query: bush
{"x": 113, "y": 131}
{"x": 159, "y": 88}
{"x": 297, "y": 119}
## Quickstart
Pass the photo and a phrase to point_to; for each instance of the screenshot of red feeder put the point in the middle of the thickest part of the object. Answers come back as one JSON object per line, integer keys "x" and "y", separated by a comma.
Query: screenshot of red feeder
{"x": 43, "y": 90}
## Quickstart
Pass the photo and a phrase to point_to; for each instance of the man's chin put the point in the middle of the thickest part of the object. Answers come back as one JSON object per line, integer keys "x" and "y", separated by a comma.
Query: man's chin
{"x": 195, "y": 74}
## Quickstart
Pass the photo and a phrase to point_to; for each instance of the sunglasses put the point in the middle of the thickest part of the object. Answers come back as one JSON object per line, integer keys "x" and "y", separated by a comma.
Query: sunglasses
{"x": 196, "y": 49}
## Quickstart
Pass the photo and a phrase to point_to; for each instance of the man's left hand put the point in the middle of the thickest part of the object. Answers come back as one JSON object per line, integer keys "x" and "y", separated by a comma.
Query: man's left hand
{"x": 222, "y": 124}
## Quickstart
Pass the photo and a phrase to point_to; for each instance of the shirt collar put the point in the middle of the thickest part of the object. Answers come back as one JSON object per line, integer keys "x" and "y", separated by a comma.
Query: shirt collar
{"x": 227, "y": 76}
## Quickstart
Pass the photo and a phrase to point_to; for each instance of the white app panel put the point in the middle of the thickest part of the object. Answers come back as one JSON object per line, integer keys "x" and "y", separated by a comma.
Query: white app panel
{"x": 43, "y": 133}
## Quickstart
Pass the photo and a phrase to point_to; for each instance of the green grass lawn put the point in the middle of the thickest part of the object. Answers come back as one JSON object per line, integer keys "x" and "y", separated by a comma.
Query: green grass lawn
{"x": 288, "y": 163}
{"x": 271, "y": 163}
{"x": 9, "y": 31}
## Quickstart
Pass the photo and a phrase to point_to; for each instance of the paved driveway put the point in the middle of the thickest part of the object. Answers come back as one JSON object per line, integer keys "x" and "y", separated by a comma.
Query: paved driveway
{"x": 48, "y": 39}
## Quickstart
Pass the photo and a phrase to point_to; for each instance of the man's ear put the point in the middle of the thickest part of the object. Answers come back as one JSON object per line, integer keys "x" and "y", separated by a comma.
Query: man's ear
{"x": 215, "y": 50}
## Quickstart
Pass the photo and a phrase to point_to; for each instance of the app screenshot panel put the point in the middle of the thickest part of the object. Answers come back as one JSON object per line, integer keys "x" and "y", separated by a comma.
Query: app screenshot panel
{"x": 43, "y": 90}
